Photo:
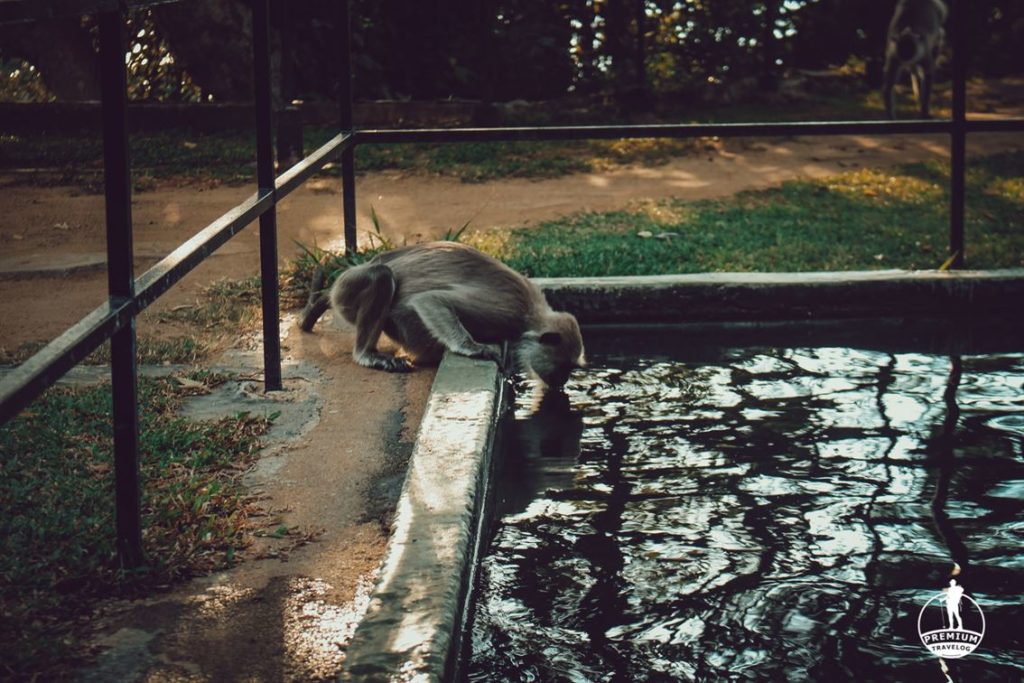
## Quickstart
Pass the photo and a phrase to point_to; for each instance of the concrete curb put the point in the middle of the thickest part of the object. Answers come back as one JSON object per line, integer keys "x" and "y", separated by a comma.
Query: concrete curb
{"x": 411, "y": 629}
{"x": 785, "y": 296}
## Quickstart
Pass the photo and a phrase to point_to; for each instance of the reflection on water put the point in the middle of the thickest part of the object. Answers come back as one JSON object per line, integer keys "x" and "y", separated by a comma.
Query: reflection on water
{"x": 756, "y": 515}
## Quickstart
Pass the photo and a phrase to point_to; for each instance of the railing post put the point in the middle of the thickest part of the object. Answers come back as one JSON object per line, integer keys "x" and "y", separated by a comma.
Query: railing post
{"x": 265, "y": 181}
{"x": 348, "y": 165}
{"x": 958, "y": 141}
{"x": 121, "y": 287}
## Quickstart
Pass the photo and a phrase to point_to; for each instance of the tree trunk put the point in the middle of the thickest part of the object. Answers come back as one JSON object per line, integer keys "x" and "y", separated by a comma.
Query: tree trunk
{"x": 62, "y": 51}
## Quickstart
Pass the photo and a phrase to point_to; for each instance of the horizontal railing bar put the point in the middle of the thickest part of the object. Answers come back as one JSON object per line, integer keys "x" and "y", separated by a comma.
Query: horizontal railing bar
{"x": 15, "y": 11}
{"x": 994, "y": 125}
{"x": 190, "y": 254}
{"x": 49, "y": 364}
{"x": 25, "y": 382}
{"x": 683, "y": 130}
{"x": 300, "y": 172}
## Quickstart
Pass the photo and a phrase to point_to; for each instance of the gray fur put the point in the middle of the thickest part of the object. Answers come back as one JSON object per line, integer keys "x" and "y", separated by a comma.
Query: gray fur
{"x": 446, "y": 295}
{"x": 912, "y": 45}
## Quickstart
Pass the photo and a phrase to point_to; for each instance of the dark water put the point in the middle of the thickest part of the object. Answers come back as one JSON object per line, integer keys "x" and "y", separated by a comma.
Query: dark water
{"x": 756, "y": 514}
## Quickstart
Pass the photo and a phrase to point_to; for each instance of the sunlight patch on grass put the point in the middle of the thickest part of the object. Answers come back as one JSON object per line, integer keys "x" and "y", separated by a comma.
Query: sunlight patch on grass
{"x": 864, "y": 219}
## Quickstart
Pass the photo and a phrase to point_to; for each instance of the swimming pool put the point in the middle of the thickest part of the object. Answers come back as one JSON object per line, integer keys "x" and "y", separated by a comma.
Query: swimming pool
{"x": 696, "y": 507}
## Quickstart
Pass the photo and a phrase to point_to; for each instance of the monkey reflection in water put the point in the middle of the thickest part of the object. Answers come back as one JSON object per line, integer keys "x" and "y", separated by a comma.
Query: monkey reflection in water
{"x": 541, "y": 451}
{"x": 446, "y": 295}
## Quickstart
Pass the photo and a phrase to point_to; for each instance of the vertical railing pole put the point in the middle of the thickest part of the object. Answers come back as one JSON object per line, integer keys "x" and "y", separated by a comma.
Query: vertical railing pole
{"x": 265, "y": 180}
{"x": 348, "y": 164}
{"x": 958, "y": 142}
{"x": 121, "y": 287}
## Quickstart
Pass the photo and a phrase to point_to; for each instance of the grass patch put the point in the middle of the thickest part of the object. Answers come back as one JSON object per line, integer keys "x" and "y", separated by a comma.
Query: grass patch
{"x": 77, "y": 159}
{"x": 865, "y": 219}
{"x": 177, "y": 350}
{"x": 225, "y": 304}
{"x": 56, "y": 481}
{"x": 475, "y": 162}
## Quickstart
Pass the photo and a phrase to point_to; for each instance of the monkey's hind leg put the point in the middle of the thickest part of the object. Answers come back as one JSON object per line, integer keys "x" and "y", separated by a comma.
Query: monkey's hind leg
{"x": 924, "y": 89}
{"x": 437, "y": 313}
{"x": 363, "y": 295}
{"x": 889, "y": 79}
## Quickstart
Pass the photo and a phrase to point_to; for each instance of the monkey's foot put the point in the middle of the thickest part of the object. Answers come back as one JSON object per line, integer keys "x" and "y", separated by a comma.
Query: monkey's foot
{"x": 379, "y": 361}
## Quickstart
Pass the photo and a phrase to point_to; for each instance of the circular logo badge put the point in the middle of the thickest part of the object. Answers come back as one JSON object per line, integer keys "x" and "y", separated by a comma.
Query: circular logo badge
{"x": 951, "y": 624}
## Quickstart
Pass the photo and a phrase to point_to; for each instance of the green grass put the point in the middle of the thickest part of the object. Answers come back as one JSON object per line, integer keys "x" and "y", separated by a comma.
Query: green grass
{"x": 180, "y": 155}
{"x": 474, "y": 162}
{"x": 178, "y": 350}
{"x": 865, "y": 219}
{"x": 56, "y": 481}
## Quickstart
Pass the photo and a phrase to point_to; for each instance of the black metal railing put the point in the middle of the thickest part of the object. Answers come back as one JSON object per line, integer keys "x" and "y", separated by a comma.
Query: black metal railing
{"x": 128, "y": 296}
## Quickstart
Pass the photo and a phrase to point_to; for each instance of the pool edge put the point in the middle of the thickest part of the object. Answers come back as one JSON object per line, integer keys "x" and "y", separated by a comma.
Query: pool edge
{"x": 729, "y": 297}
{"x": 412, "y": 628}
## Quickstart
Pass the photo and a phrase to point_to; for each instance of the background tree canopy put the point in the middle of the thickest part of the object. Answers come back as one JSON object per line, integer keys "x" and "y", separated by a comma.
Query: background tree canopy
{"x": 483, "y": 49}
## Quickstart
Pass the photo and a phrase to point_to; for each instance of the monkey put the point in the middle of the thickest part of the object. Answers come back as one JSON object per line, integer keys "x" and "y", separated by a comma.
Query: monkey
{"x": 445, "y": 295}
{"x": 912, "y": 44}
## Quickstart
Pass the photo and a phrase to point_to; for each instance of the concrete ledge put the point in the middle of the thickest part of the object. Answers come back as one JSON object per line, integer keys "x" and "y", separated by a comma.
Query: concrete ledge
{"x": 411, "y": 629}
{"x": 786, "y": 296}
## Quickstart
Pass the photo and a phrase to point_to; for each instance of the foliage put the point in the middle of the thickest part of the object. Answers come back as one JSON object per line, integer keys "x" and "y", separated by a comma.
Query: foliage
{"x": 154, "y": 74}
{"x": 533, "y": 50}
{"x": 20, "y": 82}
{"x": 56, "y": 481}
{"x": 863, "y": 219}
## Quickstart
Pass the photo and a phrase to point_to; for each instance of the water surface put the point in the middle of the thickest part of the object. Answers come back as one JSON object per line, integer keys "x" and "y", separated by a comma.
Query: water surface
{"x": 755, "y": 514}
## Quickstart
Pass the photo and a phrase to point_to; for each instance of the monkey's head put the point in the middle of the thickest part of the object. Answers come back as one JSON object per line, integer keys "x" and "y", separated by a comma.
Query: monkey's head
{"x": 553, "y": 350}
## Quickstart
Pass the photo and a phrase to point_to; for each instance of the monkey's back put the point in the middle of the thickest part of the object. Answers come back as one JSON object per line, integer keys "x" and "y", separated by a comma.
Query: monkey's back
{"x": 922, "y": 15}
{"x": 492, "y": 301}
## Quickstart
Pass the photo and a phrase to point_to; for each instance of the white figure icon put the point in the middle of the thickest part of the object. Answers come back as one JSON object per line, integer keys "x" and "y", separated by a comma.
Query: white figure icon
{"x": 953, "y": 596}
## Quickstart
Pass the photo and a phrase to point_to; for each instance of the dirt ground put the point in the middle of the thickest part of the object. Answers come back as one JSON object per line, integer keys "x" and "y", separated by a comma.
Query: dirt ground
{"x": 273, "y": 620}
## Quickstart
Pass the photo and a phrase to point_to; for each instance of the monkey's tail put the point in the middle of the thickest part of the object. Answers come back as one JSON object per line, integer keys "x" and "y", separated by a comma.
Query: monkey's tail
{"x": 317, "y": 304}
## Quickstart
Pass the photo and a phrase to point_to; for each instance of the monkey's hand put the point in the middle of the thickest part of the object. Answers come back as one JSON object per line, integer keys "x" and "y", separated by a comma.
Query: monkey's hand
{"x": 380, "y": 361}
{"x": 488, "y": 352}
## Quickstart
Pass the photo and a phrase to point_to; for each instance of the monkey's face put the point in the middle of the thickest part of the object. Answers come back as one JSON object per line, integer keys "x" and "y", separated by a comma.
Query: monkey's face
{"x": 555, "y": 351}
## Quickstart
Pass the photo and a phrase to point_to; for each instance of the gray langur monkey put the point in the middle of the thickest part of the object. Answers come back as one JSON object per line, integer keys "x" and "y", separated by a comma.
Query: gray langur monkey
{"x": 912, "y": 44}
{"x": 445, "y": 295}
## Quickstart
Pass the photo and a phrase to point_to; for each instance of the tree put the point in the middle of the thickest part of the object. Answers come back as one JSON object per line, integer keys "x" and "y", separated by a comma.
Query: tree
{"x": 61, "y": 50}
